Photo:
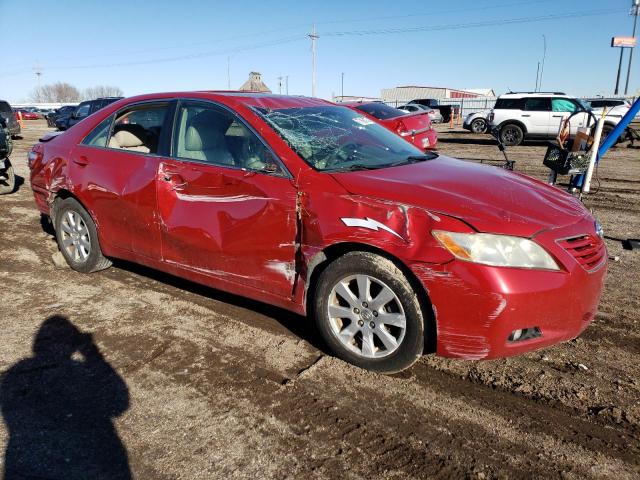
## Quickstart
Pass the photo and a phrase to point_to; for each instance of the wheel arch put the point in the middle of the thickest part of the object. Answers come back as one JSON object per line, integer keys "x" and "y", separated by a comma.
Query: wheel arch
{"x": 514, "y": 122}
{"x": 321, "y": 260}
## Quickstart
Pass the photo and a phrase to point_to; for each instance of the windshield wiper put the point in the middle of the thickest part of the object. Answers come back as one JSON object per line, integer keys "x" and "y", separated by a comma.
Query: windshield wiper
{"x": 356, "y": 166}
{"x": 415, "y": 159}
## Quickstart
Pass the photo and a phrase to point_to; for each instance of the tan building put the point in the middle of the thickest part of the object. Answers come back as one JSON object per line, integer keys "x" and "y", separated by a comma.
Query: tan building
{"x": 254, "y": 84}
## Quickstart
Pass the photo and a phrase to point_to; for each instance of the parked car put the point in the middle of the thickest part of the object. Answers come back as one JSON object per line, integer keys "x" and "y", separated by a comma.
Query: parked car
{"x": 25, "y": 114}
{"x": 82, "y": 111}
{"x": 6, "y": 112}
{"x": 7, "y": 175}
{"x": 476, "y": 122}
{"x": 315, "y": 208}
{"x": 415, "y": 127}
{"x": 538, "y": 115}
{"x": 445, "y": 110}
{"x": 64, "y": 111}
{"x": 434, "y": 114}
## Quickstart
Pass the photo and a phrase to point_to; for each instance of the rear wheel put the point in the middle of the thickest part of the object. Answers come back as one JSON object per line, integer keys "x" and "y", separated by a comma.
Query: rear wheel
{"x": 511, "y": 135}
{"x": 7, "y": 178}
{"x": 77, "y": 237}
{"x": 368, "y": 314}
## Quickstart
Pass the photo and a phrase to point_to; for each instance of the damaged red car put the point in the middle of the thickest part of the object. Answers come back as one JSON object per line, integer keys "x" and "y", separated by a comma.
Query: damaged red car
{"x": 307, "y": 205}
{"x": 415, "y": 127}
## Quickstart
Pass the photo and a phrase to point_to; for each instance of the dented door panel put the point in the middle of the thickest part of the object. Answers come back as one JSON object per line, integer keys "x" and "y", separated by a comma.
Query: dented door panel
{"x": 228, "y": 223}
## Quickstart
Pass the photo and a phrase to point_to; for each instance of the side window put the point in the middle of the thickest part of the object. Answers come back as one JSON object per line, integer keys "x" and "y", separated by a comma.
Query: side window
{"x": 82, "y": 110}
{"x": 213, "y": 135}
{"x": 98, "y": 136}
{"x": 138, "y": 129}
{"x": 537, "y": 104}
{"x": 563, "y": 105}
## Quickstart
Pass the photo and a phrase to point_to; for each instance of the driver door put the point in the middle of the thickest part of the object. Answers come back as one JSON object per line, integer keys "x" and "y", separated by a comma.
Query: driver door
{"x": 226, "y": 204}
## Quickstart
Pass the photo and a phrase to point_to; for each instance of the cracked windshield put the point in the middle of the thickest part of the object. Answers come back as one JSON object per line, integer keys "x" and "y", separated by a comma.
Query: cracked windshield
{"x": 338, "y": 139}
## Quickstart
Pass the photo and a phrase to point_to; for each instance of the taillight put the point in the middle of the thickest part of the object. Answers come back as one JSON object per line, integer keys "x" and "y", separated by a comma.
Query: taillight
{"x": 34, "y": 156}
{"x": 401, "y": 128}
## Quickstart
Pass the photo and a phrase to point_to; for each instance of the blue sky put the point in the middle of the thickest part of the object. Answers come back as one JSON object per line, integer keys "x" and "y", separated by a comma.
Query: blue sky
{"x": 128, "y": 44}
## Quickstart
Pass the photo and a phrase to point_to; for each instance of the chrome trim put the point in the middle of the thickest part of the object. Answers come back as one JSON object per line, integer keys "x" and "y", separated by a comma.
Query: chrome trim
{"x": 413, "y": 133}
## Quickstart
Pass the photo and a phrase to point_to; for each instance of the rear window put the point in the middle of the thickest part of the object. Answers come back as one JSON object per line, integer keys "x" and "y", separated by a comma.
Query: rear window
{"x": 535, "y": 104}
{"x": 380, "y": 110}
{"x": 509, "y": 104}
{"x": 5, "y": 107}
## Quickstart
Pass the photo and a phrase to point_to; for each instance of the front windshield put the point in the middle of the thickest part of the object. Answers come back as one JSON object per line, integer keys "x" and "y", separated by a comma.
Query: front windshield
{"x": 334, "y": 138}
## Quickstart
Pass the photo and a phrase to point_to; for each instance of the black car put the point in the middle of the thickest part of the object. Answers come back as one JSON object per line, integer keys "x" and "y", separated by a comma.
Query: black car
{"x": 12, "y": 124}
{"x": 83, "y": 110}
{"x": 64, "y": 111}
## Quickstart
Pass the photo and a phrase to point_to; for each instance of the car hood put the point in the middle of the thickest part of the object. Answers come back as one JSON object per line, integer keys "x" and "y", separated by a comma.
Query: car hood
{"x": 490, "y": 199}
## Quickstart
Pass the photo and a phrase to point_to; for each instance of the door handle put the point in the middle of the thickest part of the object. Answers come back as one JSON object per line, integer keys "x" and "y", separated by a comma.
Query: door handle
{"x": 175, "y": 180}
{"x": 526, "y": 115}
{"x": 81, "y": 160}
{"x": 558, "y": 116}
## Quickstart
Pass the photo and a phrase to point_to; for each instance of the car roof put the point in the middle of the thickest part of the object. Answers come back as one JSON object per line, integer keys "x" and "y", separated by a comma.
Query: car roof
{"x": 534, "y": 94}
{"x": 234, "y": 98}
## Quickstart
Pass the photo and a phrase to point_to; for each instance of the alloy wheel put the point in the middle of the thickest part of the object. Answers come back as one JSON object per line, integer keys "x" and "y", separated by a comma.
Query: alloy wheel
{"x": 75, "y": 236}
{"x": 366, "y": 316}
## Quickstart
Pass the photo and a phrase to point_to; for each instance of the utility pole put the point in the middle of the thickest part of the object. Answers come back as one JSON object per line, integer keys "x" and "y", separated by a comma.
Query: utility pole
{"x": 342, "y": 88}
{"x": 314, "y": 37}
{"x": 537, "y": 76}
{"x": 635, "y": 10}
{"x": 280, "y": 85}
{"x": 228, "y": 73}
{"x": 286, "y": 84}
{"x": 544, "y": 56}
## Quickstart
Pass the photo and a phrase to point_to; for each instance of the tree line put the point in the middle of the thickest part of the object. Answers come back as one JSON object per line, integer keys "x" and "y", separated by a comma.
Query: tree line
{"x": 62, "y": 92}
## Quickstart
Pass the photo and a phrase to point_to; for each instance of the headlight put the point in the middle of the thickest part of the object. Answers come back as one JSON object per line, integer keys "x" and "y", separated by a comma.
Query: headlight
{"x": 496, "y": 250}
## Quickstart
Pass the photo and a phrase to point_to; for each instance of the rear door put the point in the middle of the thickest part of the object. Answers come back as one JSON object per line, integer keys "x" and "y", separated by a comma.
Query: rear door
{"x": 226, "y": 203}
{"x": 536, "y": 115}
{"x": 562, "y": 108}
{"x": 117, "y": 176}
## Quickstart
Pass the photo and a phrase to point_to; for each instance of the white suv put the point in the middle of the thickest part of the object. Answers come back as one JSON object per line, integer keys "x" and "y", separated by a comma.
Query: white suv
{"x": 538, "y": 115}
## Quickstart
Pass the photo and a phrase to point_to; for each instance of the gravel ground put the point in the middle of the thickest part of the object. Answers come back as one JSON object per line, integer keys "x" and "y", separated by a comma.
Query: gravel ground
{"x": 131, "y": 372}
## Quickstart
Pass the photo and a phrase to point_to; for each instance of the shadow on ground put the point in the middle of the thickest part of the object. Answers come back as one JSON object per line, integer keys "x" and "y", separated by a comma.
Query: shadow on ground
{"x": 59, "y": 406}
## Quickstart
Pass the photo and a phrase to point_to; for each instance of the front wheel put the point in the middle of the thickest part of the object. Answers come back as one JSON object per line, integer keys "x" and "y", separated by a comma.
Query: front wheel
{"x": 511, "y": 135}
{"x": 368, "y": 313}
{"x": 77, "y": 237}
{"x": 479, "y": 125}
{"x": 7, "y": 177}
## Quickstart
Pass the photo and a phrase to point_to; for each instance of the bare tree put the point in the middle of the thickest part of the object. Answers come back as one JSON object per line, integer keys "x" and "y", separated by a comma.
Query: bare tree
{"x": 101, "y": 91}
{"x": 59, "y": 92}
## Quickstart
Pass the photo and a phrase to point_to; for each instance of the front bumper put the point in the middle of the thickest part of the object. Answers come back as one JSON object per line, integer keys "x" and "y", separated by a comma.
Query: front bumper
{"x": 477, "y": 307}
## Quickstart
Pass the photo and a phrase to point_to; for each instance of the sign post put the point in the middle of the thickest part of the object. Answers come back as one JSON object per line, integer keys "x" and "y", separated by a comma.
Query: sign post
{"x": 621, "y": 43}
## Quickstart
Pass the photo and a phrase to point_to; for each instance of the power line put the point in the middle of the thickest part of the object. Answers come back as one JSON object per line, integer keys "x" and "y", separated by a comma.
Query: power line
{"x": 486, "y": 23}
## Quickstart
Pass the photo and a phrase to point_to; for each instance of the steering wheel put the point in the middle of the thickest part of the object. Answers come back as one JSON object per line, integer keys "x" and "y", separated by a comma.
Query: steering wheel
{"x": 341, "y": 154}
{"x": 591, "y": 118}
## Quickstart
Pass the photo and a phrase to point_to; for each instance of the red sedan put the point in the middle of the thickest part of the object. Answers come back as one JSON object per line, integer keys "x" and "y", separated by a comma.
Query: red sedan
{"x": 26, "y": 115}
{"x": 312, "y": 207}
{"x": 414, "y": 127}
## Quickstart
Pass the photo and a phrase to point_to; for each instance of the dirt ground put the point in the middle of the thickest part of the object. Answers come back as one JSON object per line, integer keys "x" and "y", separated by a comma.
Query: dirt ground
{"x": 182, "y": 381}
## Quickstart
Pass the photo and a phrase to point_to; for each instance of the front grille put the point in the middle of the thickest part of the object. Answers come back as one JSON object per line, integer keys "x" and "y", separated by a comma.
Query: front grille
{"x": 588, "y": 250}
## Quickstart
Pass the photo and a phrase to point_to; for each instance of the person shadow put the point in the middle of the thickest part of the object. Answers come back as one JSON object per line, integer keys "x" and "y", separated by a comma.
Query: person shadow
{"x": 59, "y": 406}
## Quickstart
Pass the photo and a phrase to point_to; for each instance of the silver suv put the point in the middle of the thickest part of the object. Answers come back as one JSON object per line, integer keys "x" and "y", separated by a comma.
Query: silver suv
{"x": 538, "y": 115}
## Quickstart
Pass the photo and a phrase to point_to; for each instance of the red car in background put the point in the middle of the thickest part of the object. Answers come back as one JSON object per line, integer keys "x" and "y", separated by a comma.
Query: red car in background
{"x": 414, "y": 127}
{"x": 26, "y": 115}
{"x": 315, "y": 208}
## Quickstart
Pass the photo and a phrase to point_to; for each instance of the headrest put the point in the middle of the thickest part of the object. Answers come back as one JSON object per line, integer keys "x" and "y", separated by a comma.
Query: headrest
{"x": 127, "y": 139}
{"x": 203, "y": 134}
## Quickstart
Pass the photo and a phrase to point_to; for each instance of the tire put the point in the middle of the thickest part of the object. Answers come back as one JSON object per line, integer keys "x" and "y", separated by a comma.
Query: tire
{"x": 479, "y": 125}
{"x": 8, "y": 183}
{"x": 511, "y": 135}
{"x": 77, "y": 237}
{"x": 394, "y": 330}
